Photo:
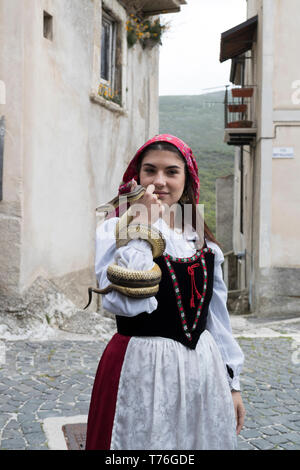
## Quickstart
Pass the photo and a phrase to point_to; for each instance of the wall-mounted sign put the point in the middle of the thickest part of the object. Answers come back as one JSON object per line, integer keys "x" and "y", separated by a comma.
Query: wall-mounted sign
{"x": 283, "y": 152}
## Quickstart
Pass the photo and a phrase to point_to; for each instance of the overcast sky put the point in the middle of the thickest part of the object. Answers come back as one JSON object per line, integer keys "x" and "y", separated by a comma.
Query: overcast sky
{"x": 189, "y": 56}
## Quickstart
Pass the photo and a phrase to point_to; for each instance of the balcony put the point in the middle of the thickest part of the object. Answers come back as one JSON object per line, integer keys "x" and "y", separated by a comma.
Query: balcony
{"x": 239, "y": 104}
{"x": 240, "y": 125}
{"x": 152, "y": 7}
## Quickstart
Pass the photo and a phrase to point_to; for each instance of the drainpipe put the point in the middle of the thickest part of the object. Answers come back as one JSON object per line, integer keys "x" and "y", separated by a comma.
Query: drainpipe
{"x": 2, "y": 134}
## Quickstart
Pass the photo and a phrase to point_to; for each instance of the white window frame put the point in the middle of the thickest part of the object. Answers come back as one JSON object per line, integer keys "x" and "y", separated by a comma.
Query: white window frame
{"x": 112, "y": 26}
{"x": 110, "y": 11}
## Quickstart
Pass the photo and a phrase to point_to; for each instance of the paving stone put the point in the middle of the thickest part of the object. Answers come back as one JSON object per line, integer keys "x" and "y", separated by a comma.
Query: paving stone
{"x": 293, "y": 408}
{"x": 261, "y": 421}
{"x": 26, "y": 421}
{"x": 285, "y": 419}
{"x": 31, "y": 427}
{"x": 269, "y": 412}
{"x": 250, "y": 433}
{"x": 13, "y": 444}
{"x": 262, "y": 444}
{"x": 29, "y": 407}
{"x": 293, "y": 425}
{"x": 7, "y": 382}
{"x": 271, "y": 431}
{"x": 35, "y": 439}
{"x": 40, "y": 387}
{"x": 48, "y": 405}
{"x": 4, "y": 417}
{"x": 279, "y": 439}
{"x": 293, "y": 437}
{"x": 9, "y": 408}
{"x": 43, "y": 446}
{"x": 12, "y": 424}
{"x": 11, "y": 434}
{"x": 288, "y": 446}
{"x": 86, "y": 397}
{"x": 245, "y": 446}
{"x": 282, "y": 409}
{"x": 82, "y": 408}
{"x": 18, "y": 397}
{"x": 43, "y": 414}
{"x": 294, "y": 417}
{"x": 280, "y": 428}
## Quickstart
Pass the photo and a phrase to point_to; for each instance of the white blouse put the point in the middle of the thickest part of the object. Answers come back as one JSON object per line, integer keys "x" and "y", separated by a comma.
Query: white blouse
{"x": 137, "y": 254}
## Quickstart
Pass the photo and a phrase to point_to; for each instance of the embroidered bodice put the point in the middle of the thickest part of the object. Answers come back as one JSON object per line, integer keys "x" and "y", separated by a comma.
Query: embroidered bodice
{"x": 184, "y": 294}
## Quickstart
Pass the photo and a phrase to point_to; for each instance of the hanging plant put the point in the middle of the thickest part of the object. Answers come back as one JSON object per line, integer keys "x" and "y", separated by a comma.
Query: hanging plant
{"x": 147, "y": 32}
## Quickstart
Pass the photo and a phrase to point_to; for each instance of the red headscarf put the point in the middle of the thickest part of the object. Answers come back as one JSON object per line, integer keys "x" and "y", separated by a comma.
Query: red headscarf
{"x": 131, "y": 172}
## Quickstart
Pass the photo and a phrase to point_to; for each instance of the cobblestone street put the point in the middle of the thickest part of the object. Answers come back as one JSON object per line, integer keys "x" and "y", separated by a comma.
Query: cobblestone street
{"x": 53, "y": 379}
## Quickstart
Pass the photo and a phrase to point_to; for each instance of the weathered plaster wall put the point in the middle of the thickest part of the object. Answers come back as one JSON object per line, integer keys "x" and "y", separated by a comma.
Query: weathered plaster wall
{"x": 286, "y": 201}
{"x": 64, "y": 153}
{"x": 286, "y": 116}
{"x": 11, "y": 74}
{"x": 286, "y": 47}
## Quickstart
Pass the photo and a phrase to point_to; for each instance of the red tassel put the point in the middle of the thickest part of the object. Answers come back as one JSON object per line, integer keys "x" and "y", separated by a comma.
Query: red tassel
{"x": 193, "y": 284}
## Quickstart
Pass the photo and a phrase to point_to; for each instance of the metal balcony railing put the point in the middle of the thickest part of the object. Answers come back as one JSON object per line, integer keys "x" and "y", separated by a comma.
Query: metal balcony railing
{"x": 239, "y": 116}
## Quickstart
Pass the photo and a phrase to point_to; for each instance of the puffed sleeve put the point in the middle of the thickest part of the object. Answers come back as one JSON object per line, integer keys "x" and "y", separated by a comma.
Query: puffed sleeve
{"x": 218, "y": 324}
{"x": 137, "y": 254}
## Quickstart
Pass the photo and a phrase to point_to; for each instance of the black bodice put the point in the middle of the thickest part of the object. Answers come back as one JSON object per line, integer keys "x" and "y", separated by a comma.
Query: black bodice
{"x": 183, "y": 299}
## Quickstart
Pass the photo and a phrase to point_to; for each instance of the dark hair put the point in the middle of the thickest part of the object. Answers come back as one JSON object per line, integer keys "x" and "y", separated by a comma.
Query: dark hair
{"x": 188, "y": 190}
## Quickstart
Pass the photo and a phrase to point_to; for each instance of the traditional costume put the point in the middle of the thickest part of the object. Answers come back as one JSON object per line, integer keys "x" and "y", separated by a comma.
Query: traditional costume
{"x": 164, "y": 380}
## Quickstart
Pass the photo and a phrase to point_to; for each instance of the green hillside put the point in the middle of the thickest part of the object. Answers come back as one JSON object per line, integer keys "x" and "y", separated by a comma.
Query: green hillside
{"x": 199, "y": 121}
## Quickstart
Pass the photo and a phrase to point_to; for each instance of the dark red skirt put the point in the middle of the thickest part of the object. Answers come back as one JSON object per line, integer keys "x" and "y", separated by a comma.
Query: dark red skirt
{"x": 104, "y": 394}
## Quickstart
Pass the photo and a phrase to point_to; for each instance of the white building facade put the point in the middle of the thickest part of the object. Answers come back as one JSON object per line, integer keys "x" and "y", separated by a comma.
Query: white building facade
{"x": 265, "y": 130}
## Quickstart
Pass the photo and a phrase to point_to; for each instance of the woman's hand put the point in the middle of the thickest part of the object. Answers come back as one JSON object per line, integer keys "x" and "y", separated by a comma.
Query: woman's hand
{"x": 239, "y": 409}
{"x": 148, "y": 208}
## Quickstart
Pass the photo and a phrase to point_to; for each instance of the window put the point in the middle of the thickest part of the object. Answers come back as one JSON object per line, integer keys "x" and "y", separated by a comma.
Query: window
{"x": 110, "y": 70}
{"x": 108, "y": 49}
{"x": 110, "y": 56}
{"x": 48, "y": 26}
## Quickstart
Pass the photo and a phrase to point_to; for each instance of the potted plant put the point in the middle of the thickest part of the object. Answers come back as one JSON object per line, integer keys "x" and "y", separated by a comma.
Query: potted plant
{"x": 106, "y": 92}
{"x": 242, "y": 92}
{"x": 237, "y": 108}
{"x": 240, "y": 124}
{"x": 147, "y": 32}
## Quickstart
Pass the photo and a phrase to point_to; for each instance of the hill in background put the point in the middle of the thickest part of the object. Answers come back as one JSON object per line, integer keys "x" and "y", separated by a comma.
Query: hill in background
{"x": 199, "y": 121}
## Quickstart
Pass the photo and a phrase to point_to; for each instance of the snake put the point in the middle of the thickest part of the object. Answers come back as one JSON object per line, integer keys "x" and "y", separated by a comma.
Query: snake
{"x": 133, "y": 196}
{"x": 137, "y": 284}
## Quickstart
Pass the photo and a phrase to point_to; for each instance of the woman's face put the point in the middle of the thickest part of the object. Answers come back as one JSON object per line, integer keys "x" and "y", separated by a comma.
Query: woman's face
{"x": 166, "y": 171}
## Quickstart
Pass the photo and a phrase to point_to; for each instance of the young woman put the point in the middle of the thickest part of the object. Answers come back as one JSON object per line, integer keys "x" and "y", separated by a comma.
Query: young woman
{"x": 169, "y": 379}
